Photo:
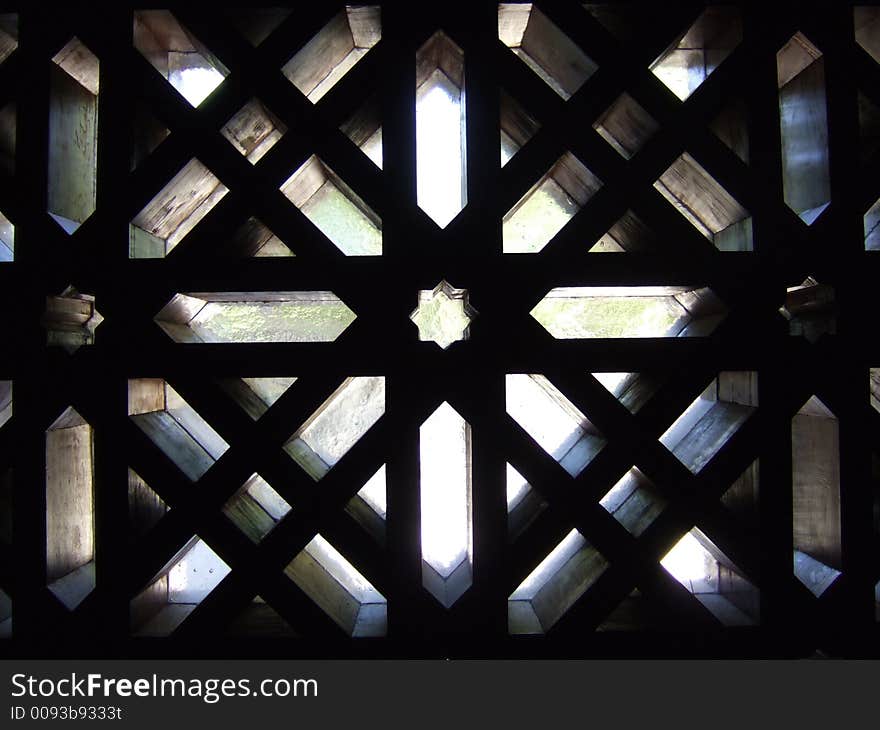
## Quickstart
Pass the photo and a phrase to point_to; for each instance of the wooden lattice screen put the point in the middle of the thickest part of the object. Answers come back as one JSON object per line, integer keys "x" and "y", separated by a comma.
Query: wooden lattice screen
{"x": 727, "y": 131}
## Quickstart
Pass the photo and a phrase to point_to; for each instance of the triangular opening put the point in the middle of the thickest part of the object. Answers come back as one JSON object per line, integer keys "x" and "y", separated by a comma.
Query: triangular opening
{"x": 145, "y": 507}
{"x": 149, "y": 133}
{"x": 517, "y": 127}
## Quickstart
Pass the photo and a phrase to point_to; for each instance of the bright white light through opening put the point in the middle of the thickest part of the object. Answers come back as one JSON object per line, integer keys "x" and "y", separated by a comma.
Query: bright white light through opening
{"x": 445, "y": 490}
{"x": 439, "y": 148}
{"x": 690, "y": 563}
{"x": 195, "y": 84}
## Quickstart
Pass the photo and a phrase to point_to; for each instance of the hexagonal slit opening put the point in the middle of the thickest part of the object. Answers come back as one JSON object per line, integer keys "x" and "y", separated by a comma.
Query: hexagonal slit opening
{"x": 626, "y": 126}
{"x": 73, "y": 135}
{"x": 320, "y": 64}
{"x": 712, "y": 419}
{"x": 445, "y": 489}
{"x": 8, "y": 35}
{"x": 182, "y": 60}
{"x": 255, "y": 396}
{"x": 810, "y": 309}
{"x": 337, "y": 425}
{"x": 524, "y": 503}
{"x": 178, "y": 208}
{"x": 253, "y": 131}
{"x": 551, "y": 203}
{"x": 174, "y": 426}
{"x": 70, "y": 320}
{"x": 815, "y": 466}
{"x": 706, "y": 205}
{"x": 364, "y": 128}
{"x": 691, "y": 58}
{"x": 241, "y": 317}
{"x": 7, "y": 240}
{"x": 803, "y": 120}
{"x": 552, "y": 421}
{"x": 334, "y": 584}
{"x": 544, "y": 48}
{"x": 637, "y": 311}
{"x": 698, "y": 564}
{"x": 70, "y": 508}
{"x": 554, "y": 585}
{"x": 335, "y": 209}
{"x": 179, "y": 587}
{"x": 517, "y": 126}
{"x": 256, "y": 508}
{"x": 441, "y": 164}
{"x": 634, "y": 502}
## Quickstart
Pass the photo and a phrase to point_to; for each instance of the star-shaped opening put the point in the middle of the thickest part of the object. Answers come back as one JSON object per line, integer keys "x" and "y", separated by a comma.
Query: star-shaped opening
{"x": 443, "y": 315}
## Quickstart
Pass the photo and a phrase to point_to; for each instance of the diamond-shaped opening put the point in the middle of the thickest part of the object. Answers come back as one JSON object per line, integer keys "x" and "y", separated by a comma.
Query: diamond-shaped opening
{"x": 178, "y": 588}
{"x": 517, "y": 126}
{"x": 7, "y": 239}
{"x": 741, "y": 497}
{"x": 692, "y": 57}
{"x": 256, "y": 508}
{"x": 636, "y": 311}
{"x": 174, "y": 426}
{"x": 626, "y": 126}
{"x": 706, "y": 205}
{"x": 524, "y": 503}
{"x": 254, "y": 238}
{"x": 335, "y": 209}
{"x": 178, "y": 55}
{"x": 8, "y": 136}
{"x": 441, "y": 164}
{"x": 803, "y": 120}
{"x": 369, "y": 506}
{"x": 731, "y": 127}
{"x": 444, "y": 315}
{"x": 867, "y": 27}
{"x": 334, "y": 50}
{"x": 259, "y": 619}
{"x": 810, "y": 309}
{"x": 629, "y": 234}
{"x": 255, "y": 395}
{"x": 174, "y": 211}
{"x": 711, "y": 420}
{"x": 145, "y": 507}
{"x": 70, "y": 508}
{"x": 325, "y": 576}
{"x": 364, "y": 128}
{"x": 714, "y": 580}
{"x": 8, "y": 35}
{"x": 148, "y": 134}
{"x": 633, "y": 390}
{"x": 554, "y": 585}
{"x": 256, "y": 24}
{"x": 253, "y": 131}
{"x": 71, "y": 319}
{"x": 73, "y": 135}
{"x": 815, "y": 467}
{"x": 872, "y": 228}
{"x": 552, "y": 421}
{"x": 544, "y": 48}
{"x": 634, "y": 502}
{"x": 551, "y": 203}
{"x": 337, "y": 425}
{"x": 5, "y": 615}
{"x": 445, "y": 488}
{"x": 5, "y": 402}
{"x": 207, "y": 317}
